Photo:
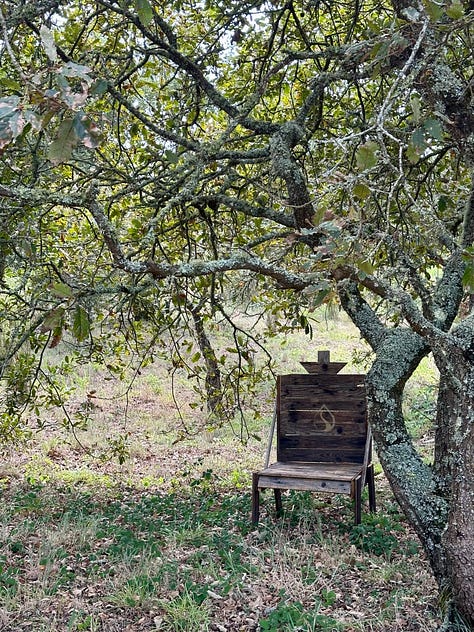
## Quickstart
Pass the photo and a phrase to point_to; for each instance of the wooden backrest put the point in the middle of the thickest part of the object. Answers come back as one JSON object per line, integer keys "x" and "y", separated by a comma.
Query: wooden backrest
{"x": 321, "y": 418}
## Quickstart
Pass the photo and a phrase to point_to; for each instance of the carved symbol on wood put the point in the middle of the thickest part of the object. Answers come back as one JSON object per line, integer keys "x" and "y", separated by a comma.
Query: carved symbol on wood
{"x": 325, "y": 416}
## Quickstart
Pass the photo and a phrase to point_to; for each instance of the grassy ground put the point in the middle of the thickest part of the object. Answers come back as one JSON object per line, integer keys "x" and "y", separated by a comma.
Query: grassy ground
{"x": 164, "y": 540}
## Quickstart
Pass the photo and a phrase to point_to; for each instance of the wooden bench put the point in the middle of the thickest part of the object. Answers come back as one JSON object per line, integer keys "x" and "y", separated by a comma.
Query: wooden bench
{"x": 323, "y": 441}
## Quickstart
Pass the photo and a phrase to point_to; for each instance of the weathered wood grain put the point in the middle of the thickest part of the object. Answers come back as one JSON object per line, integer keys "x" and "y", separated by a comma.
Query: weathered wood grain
{"x": 321, "y": 439}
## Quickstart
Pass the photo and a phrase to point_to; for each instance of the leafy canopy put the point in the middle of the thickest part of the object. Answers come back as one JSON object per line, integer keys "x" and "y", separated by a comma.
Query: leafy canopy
{"x": 168, "y": 159}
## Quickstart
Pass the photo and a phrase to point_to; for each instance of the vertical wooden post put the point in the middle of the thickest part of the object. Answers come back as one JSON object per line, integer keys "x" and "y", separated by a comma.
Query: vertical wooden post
{"x": 323, "y": 357}
{"x": 255, "y": 499}
{"x": 324, "y": 364}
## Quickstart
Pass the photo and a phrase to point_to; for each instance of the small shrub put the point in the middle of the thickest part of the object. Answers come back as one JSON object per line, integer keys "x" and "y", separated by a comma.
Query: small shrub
{"x": 8, "y": 578}
{"x": 137, "y": 592}
{"x": 289, "y": 617}
{"x": 376, "y": 535}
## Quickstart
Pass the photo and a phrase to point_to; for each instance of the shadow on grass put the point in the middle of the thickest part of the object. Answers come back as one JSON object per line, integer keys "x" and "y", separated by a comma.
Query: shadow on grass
{"x": 77, "y": 558}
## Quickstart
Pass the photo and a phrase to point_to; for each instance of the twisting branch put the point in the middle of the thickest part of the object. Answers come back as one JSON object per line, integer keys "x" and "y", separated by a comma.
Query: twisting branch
{"x": 169, "y": 51}
{"x": 397, "y": 297}
{"x": 11, "y": 54}
{"x": 284, "y": 278}
{"x": 286, "y": 168}
{"x": 360, "y": 312}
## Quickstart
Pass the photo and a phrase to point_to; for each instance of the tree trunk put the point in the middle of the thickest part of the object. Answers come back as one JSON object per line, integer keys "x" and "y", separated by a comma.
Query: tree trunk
{"x": 411, "y": 479}
{"x": 213, "y": 384}
{"x": 459, "y": 536}
{"x": 456, "y": 362}
{"x": 438, "y": 501}
{"x": 443, "y": 457}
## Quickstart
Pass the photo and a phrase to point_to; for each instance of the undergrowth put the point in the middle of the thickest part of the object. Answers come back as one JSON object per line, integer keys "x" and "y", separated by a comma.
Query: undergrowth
{"x": 77, "y": 558}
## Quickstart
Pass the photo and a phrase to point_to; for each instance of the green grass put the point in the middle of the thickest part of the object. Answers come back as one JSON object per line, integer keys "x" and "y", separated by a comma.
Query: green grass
{"x": 107, "y": 555}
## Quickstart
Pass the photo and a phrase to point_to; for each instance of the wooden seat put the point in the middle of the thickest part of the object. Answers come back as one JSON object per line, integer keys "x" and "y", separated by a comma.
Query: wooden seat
{"x": 323, "y": 441}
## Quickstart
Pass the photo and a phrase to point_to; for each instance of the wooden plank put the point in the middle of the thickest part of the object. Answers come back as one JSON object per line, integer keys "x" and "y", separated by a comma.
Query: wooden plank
{"x": 328, "y": 456}
{"x": 350, "y": 444}
{"x": 322, "y": 382}
{"x": 312, "y": 396}
{"x": 299, "y": 393}
{"x": 307, "y": 396}
{"x": 321, "y": 423}
{"x": 325, "y": 447}
{"x": 318, "y": 470}
{"x": 312, "y": 485}
{"x": 308, "y": 401}
{"x": 325, "y": 379}
{"x": 318, "y": 386}
{"x": 343, "y": 417}
{"x": 329, "y": 368}
{"x": 324, "y": 356}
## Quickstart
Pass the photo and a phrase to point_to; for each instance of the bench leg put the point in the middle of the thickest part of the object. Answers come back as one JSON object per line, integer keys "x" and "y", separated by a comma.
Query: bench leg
{"x": 278, "y": 503}
{"x": 255, "y": 499}
{"x": 358, "y": 500}
{"x": 371, "y": 486}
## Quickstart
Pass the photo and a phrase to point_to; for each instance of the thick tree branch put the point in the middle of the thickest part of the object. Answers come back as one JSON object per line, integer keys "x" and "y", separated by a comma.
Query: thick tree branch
{"x": 192, "y": 269}
{"x": 246, "y": 208}
{"x": 397, "y": 297}
{"x": 361, "y": 313}
{"x": 285, "y": 167}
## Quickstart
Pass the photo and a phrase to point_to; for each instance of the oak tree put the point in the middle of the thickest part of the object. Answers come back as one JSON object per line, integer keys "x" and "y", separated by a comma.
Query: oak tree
{"x": 296, "y": 152}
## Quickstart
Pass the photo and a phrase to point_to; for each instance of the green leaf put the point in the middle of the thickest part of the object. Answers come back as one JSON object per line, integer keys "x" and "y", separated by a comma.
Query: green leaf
{"x": 319, "y": 298}
{"x": 366, "y": 157}
{"x": 11, "y": 120}
{"x": 415, "y": 103}
{"x": 434, "y": 10}
{"x": 413, "y": 154}
{"x": 468, "y": 277}
{"x": 61, "y": 290}
{"x": 86, "y": 130}
{"x": 171, "y": 157}
{"x": 99, "y": 87}
{"x": 365, "y": 267}
{"x": 33, "y": 119}
{"x": 434, "y": 128}
{"x": 76, "y": 70}
{"x": 455, "y": 10}
{"x": 416, "y": 146}
{"x": 418, "y": 139}
{"x": 442, "y": 203}
{"x": 361, "y": 191}
{"x": 60, "y": 150}
{"x": 10, "y": 84}
{"x": 411, "y": 13}
{"x": 144, "y": 10}
{"x": 81, "y": 326}
{"x": 8, "y": 105}
{"x": 49, "y": 45}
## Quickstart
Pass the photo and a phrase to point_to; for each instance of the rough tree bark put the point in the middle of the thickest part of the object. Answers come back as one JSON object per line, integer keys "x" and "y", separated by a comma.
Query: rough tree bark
{"x": 437, "y": 499}
{"x": 213, "y": 383}
{"x": 454, "y": 355}
{"x": 398, "y": 352}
